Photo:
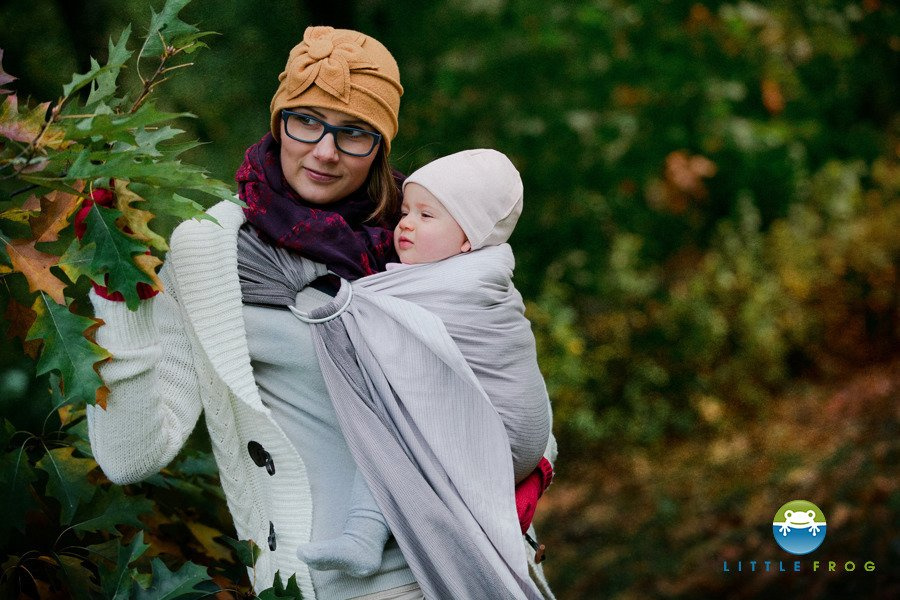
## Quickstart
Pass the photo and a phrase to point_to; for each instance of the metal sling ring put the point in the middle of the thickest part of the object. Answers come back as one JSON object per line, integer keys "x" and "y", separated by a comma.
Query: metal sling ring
{"x": 306, "y": 318}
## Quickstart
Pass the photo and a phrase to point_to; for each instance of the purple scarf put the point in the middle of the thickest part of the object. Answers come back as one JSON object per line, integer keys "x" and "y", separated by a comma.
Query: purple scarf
{"x": 334, "y": 235}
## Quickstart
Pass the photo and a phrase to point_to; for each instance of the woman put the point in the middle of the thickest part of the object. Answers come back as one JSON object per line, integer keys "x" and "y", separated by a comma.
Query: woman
{"x": 217, "y": 339}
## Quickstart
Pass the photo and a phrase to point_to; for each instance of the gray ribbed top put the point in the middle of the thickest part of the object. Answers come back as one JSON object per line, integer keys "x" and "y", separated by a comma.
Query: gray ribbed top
{"x": 290, "y": 383}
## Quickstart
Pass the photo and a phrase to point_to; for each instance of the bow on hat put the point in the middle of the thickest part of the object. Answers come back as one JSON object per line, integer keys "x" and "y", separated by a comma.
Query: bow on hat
{"x": 325, "y": 58}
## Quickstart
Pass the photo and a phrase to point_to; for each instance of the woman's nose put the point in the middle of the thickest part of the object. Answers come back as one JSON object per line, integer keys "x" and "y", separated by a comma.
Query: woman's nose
{"x": 326, "y": 148}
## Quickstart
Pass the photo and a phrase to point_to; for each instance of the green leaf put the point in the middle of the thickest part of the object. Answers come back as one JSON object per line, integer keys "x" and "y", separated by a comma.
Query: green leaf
{"x": 112, "y": 507}
{"x": 79, "y": 80}
{"x": 190, "y": 44}
{"x": 117, "y": 582}
{"x": 247, "y": 551}
{"x": 108, "y": 550}
{"x": 104, "y": 85}
{"x": 279, "y": 591}
{"x": 173, "y": 150}
{"x": 167, "y": 25}
{"x": 118, "y": 127}
{"x": 5, "y": 262}
{"x": 148, "y": 139}
{"x": 7, "y": 431}
{"x": 114, "y": 252}
{"x": 101, "y": 75}
{"x": 47, "y": 180}
{"x": 68, "y": 481}
{"x": 181, "y": 585}
{"x": 78, "y": 437}
{"x": 125, "y": 165}
{"x": 16, "y": 477}
{"x": 77, "y": 260}
{"x": 161, "y": 201}
{"x": 79, "y": 578}
{"x": 66, "y": 349}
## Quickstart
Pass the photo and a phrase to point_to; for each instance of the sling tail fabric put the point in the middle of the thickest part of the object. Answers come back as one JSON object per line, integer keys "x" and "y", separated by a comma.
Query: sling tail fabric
{"x": 427, "y": 438}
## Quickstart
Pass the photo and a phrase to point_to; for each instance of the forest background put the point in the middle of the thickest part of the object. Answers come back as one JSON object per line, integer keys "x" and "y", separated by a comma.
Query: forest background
{"x": 708, "y": 253}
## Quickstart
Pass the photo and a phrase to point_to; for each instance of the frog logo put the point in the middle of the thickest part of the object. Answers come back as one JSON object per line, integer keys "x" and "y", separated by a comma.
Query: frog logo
{"x": 799, "y": 527}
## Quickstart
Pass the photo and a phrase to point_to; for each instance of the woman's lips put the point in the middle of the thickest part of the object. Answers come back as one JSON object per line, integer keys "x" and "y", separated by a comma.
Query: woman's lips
{"x": 318, "y": 176}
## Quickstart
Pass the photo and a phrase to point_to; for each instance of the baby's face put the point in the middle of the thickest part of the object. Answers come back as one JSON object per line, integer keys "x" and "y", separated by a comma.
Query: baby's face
{"x": 426, "y": 232}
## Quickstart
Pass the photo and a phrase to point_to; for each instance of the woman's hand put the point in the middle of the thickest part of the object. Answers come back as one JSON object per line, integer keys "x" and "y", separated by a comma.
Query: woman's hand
{"x": 105, "y": 197}
{"x": 530, "y": 489}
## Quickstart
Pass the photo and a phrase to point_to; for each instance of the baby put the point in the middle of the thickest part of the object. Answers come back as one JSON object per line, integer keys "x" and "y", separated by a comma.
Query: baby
{"x": 454, "y": 205}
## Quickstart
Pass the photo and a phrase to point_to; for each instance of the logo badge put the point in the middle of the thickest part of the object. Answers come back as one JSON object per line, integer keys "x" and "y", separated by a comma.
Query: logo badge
{"x": 799, "y": 527}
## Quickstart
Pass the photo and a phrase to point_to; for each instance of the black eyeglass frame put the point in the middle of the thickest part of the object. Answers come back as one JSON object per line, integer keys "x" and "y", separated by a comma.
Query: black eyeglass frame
{"x": 329, "y": 128}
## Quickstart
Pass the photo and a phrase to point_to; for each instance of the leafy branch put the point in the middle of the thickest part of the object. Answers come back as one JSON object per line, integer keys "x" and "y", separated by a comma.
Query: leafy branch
{"x": 95, "y": 136}
{"x": 65, "y": 527}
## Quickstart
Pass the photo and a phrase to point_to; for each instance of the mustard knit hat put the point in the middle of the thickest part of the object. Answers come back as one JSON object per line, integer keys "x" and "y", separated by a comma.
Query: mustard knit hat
{"x": 341, "y": 70}
{"x": 481, "y": 189}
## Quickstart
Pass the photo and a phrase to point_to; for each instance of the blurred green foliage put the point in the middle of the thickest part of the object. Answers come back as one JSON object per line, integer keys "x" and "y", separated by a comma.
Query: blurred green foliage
{"x": 711, "y": 189}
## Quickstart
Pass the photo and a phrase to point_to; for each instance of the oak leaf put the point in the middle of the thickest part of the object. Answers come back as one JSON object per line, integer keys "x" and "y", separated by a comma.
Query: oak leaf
{"x": 282, "y": 591}
{"x": 68, "y": 481}
{"x": 90, "y": 334}
{"x": 55, "y": 209}
{"x": 79, "y": 578}
{"x": 110, "y": 508}
{"x": 169, "y": 585}
{"x": 115, "y": 254}
{"x": 117, "y": 582}
{"x": 17, "y": 475}
{"x": 148, "y": 263}
{"x": 136, "y": 219}
{"x": 18, "y": 214}
{"x": 35, "y": 266}
{"x": 26, "y": 127}
{"x": 67, "y": 349}
{"x": 246, "y": 550}
{"x": 20, "y": 319}
{"x": 33, "y": 204}
{"x": 77, "y": 260}
{"x": 207, "y": 535}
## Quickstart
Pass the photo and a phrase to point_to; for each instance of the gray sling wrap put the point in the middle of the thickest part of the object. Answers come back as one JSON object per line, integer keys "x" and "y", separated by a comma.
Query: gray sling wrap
{"x": 269, "y": 274}
{"x": 419, "y": 389}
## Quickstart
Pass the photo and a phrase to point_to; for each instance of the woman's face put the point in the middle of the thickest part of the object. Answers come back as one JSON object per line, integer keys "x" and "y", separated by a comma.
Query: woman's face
{"x": 320, "y": 173}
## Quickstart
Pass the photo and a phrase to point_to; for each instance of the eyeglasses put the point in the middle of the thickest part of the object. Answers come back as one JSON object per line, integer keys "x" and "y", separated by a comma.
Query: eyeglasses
{"x": 309, "y": 129}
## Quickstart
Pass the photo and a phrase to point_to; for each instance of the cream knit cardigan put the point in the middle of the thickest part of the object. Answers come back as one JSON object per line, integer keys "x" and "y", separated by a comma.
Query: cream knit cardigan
{"x": 183, "y": 351}
{"x": 186, "y": 350}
